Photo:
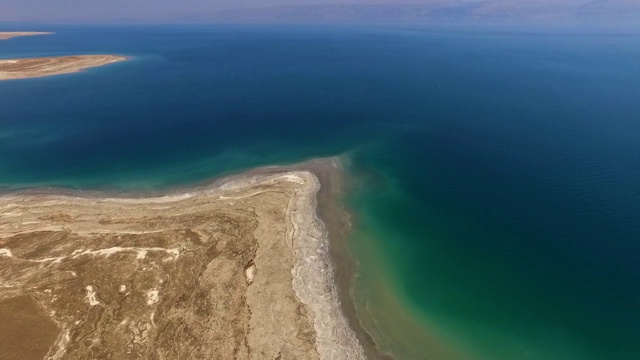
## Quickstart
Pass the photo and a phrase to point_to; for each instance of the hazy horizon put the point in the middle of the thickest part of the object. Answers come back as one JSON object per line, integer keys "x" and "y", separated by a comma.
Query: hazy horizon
{"x": 344, "y": 11}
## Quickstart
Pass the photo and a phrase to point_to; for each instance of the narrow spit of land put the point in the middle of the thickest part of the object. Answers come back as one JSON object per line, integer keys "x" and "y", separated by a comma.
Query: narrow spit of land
{"x": 235, "y": 270}
{"x": 39, "y": 67}
{"x": 12, "y": 69}
{"x": 5, "y": 35}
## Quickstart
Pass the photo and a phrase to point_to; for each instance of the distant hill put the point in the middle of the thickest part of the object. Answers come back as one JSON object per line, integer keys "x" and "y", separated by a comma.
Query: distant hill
{"x": 438, "y": 10}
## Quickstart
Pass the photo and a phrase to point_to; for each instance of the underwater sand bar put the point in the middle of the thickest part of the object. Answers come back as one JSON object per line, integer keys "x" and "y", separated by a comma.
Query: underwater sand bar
{"x": 234, "y": 270}
{"x": 47, "y": 66}
{"x": 5, "y": 35}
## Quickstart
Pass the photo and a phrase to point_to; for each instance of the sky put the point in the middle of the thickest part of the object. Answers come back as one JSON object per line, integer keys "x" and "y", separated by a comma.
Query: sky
{"x": 26, "y": 10}
{"x": 283, "y": 10}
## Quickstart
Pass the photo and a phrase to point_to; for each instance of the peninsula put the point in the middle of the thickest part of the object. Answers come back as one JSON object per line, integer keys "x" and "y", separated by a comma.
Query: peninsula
{"x": 8, "y": 35}
{"x": 234, "y": 270}
{"x": 48, "y": 66}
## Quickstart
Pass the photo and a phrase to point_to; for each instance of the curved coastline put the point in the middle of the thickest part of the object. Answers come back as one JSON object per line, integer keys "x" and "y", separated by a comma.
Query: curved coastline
{"x": 335, "y": 339}
{"x": 312, "y": 273}
{"x": 27, "y": 68}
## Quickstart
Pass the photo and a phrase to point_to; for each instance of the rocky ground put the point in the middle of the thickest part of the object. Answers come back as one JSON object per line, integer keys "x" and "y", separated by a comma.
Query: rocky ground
{"x": 200, "y": 275}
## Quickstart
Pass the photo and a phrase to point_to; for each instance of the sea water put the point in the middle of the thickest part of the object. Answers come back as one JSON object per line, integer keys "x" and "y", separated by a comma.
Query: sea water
{"x": 493, "y": 171}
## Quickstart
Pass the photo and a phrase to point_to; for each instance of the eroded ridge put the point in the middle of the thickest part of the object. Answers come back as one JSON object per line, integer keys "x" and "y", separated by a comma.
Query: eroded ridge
{"x": 11, "y": 69}
{"x": 231, "y": 272}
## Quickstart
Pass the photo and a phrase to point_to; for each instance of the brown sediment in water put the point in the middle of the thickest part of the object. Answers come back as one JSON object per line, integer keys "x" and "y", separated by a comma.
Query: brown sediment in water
{"x": 332, "y": 212}
{"x": 239, "y": 266}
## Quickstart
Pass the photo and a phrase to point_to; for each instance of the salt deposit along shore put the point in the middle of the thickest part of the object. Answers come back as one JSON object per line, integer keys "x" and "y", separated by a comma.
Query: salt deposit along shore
{"x": 238, "y": 269}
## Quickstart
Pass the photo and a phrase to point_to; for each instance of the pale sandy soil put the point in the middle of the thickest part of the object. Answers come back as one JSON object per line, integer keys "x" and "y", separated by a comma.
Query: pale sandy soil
{"x": 4, "y": 35}
{"x": 232, "y": 271}
{"x": 48, "y": 66}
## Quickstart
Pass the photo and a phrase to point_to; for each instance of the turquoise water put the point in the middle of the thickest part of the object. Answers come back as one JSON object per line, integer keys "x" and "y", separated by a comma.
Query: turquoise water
{"x": 494, "y": 172}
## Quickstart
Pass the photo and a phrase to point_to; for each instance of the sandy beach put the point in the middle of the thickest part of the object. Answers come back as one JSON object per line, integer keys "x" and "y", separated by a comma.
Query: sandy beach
{"x": 11, "y": 69}
{"x": 241, "y": 265}
{"x": 5, "y": 35}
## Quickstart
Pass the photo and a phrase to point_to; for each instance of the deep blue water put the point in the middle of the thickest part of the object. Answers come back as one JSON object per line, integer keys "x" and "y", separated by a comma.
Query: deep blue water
{"x": 496, "y": 171}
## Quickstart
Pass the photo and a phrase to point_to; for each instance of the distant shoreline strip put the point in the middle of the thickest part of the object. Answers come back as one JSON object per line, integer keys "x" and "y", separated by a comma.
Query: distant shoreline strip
{"x": 28, "y": 68}
{"x": 6, "y": 35}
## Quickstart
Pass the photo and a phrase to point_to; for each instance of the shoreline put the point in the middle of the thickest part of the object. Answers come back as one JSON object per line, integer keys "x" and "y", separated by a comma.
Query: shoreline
{"x": 335, "y": 219}
{"x": 334, "y": 337}
{"x": 333, "y": 213}
{"x": 6, "y": 35}
{"x": 313, "y": 241}
{"x": 30, "y": 68}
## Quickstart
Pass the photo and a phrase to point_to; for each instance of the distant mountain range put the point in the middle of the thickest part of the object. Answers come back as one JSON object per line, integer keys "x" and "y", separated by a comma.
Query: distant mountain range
{"x": 610, "y": 9}
{"x": 439, "y": 10}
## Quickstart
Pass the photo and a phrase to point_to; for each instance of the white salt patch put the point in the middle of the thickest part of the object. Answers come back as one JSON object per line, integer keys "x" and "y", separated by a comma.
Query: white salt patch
{"x": 108, "y": 252}
{"x": 157, "y": 200}
{"x": 54, "y": 260}
{"x": 91, "y": 296}
{"x": 61, "y": 346}
{"x": 292, "y": 178}
{"x": 6, "y": 252}
{"x": 152, "y": 297}
{"x": 250, "y": 273}
{"x": 141, "y": 252}
{"x": 313, "y": 279}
